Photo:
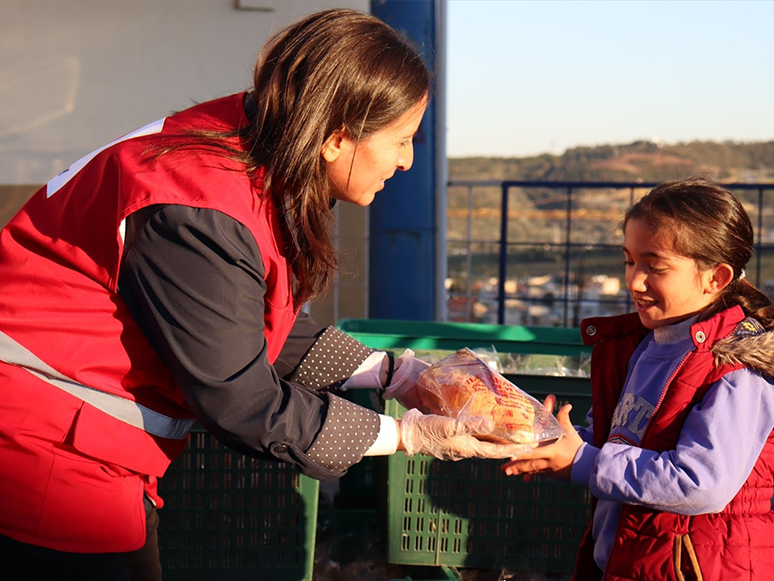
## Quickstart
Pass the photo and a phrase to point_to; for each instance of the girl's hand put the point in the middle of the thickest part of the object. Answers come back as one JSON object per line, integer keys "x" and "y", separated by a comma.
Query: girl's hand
{"x": 554, "y": 460}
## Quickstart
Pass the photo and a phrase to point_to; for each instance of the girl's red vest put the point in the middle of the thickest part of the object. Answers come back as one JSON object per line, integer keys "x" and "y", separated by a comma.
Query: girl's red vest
{"x": 737, "y": 543}
{"x": 71, "y": 476}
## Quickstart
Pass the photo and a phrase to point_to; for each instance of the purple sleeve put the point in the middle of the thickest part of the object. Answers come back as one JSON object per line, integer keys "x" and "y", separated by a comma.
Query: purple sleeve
{"x": 583, "y": 463}
{"x": 587, "y": 432}
{"x": 717, "y": 449}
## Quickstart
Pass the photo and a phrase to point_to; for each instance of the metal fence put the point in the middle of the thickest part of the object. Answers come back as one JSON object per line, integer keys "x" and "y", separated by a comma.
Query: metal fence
{"x": 549, "y": 253}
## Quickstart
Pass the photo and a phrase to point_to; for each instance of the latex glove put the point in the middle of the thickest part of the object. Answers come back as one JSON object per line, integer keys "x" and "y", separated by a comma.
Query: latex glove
{"x": 404, "y": 380}
{"x": 450, "y": 438}
{"x": 368, "y": 374}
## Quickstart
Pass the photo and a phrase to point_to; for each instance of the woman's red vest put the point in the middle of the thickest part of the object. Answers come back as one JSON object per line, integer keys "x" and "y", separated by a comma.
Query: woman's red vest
{"x": 75, "y": 461}
{"x": 738, "y": 542}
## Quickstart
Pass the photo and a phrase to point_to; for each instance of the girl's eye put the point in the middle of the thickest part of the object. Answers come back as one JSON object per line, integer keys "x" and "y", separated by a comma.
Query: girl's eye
{"x": 656, "y": 270}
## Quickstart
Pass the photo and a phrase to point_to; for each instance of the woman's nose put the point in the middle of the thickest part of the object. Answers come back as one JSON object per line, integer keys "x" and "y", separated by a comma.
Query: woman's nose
{"x": 406, "y": 160}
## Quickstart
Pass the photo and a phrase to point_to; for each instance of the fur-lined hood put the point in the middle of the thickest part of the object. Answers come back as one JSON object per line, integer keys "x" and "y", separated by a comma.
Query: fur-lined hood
{"x": 750, "y": 345}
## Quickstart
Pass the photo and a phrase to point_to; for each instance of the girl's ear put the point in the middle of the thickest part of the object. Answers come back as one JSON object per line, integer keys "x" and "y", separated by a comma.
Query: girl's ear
{"x": 331, "y": 149}
{"x": 722, "y": 276}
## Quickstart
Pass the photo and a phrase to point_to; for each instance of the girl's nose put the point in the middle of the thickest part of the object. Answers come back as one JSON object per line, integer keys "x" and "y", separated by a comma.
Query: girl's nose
{"x": 636, "y": 281}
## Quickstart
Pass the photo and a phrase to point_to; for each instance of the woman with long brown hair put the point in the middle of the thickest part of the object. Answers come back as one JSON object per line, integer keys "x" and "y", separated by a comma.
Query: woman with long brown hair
{"x": 160, "y": 279}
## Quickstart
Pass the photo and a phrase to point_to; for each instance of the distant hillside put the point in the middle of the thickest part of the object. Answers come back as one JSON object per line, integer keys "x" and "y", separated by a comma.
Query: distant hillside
{"x": 641, "y": 160}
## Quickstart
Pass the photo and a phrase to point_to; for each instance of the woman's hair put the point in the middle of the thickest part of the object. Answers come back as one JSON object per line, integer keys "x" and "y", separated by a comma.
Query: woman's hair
{"x": 708, "y": 224}
{"x": 333, "y": 70}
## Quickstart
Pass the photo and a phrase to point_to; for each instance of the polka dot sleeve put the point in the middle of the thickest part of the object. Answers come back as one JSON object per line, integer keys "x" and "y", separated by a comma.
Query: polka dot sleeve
{"x": 331, "y": 360}
{"x": 348, "y": 432}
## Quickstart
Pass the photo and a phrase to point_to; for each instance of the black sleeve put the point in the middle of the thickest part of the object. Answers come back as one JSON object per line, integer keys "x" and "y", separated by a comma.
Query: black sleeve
{"x": 331, "y": 360}
{"x": 193, "y": 280}
{"x": 304, "y": 334}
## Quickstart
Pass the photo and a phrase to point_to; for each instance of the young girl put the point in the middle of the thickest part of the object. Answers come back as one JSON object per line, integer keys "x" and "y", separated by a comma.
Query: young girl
{"x": 680, "y": 452}
{"x": 160, "y": 279}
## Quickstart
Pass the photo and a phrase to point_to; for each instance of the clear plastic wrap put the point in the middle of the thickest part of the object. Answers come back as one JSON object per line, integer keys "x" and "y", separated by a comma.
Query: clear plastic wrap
{"x": 463, "y": 383}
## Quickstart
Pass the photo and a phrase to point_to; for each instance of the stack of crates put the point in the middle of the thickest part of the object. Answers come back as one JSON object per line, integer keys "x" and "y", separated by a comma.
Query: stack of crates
{"x": 228, "y": 517}
{"x": 468, "y": 513}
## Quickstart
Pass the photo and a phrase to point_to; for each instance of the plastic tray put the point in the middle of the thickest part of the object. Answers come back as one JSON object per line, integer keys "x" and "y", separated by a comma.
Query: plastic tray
{"x": 230, "y": 517}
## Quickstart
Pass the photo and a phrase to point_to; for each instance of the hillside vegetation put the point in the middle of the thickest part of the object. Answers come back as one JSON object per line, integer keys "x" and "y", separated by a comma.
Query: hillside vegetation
{"x": 642, "y": 160}
{"x": 539, "y": 227}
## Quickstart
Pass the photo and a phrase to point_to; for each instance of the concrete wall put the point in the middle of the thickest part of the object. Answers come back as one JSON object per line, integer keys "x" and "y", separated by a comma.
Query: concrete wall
{"x": 76, "y": 74}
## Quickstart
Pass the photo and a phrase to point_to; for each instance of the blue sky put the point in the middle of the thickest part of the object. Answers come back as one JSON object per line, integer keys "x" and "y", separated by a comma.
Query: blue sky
{"x": 530, "y": 77}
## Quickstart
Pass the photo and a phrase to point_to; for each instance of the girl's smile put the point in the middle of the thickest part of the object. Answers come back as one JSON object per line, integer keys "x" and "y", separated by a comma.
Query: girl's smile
{"x": 666, "y": 287}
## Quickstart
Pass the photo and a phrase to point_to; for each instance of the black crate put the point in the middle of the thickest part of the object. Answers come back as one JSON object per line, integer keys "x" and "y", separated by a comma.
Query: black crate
{"x": 234, "y": 518}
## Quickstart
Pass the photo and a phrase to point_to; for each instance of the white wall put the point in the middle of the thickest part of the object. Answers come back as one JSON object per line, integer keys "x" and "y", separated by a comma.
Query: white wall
{"x": 76, "y": 74}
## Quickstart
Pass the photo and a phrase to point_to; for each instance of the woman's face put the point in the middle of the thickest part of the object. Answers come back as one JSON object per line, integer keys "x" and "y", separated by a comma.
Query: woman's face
{"x": 357, "y": 170}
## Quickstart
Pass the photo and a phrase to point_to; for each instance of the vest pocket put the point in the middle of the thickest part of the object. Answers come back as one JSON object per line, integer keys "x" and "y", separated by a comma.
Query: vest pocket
{"x": 100, "y": 436}
{"x": 685, "y": 561}
{"x": 89, "y": 507}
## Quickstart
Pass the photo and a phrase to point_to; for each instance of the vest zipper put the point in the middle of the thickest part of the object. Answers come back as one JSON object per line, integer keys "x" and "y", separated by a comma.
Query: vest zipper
{"x": 663, "y": 395}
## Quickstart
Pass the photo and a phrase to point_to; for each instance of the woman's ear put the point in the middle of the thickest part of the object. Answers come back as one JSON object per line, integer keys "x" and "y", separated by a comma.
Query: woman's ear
{"x": 331, "y": 149}
{"x": 722, "y": 275}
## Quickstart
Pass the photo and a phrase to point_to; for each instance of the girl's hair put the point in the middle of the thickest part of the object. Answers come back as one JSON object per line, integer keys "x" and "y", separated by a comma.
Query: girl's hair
{"x": 706, "y": 223}
{"x": 333, "y": 70}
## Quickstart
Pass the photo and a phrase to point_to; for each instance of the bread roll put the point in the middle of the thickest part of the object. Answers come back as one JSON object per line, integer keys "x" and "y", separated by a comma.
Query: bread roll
{"x": 464, "y": 384}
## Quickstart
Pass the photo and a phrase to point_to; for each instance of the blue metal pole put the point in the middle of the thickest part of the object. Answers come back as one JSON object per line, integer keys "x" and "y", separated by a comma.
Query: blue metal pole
{"x": 403, "y": 251}
{"x": 503, "y": 270}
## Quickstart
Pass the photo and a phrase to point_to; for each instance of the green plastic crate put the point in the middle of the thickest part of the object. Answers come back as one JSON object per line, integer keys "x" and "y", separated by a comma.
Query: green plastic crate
{"x": 429, "y": 335}
{"x": 469, "y": 514}
{"x": 230, "y": 517}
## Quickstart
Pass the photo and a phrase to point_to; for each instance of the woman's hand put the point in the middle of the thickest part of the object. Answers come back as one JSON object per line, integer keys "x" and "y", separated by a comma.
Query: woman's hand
{"x": 554, "y": 460}
{"x": 451, "y": 438}
{"x": 404, "y": 381}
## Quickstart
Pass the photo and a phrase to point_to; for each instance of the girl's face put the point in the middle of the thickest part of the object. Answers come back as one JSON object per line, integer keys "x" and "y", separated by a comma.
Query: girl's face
{"x": 357, "y": 170}
{"x": 667, "y": 288}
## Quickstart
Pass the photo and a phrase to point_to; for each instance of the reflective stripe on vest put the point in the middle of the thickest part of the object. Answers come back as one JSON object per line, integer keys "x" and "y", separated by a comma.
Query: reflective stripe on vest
{"x": 120, "y": 408}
